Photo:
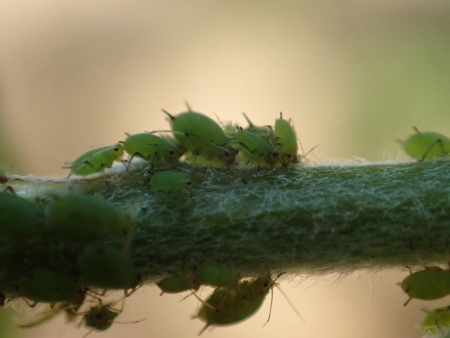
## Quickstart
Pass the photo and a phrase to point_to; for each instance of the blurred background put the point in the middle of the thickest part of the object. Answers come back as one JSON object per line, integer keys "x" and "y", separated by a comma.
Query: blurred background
{"x": 354, "y": 75}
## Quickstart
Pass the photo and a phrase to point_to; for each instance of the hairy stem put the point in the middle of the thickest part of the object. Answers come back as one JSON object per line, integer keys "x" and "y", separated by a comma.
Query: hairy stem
{"x": 311, "y": 220}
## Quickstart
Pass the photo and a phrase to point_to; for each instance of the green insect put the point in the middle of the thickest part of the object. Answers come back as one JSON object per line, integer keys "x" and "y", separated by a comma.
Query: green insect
{"x": 427, "y": 145}
{"x": 107, "y": 267}
{"x": 101, "y": 317}
{"x": 217, "y": 275}
{"x": 84, "y": 218}
{"x": 257, "y": 150}
{"x": 436, "y": 320}
{"x": 285, "y": 133}
{"x": 431, "y": 283}
{"x": 96, "y": 160}
{"x": 49, "y": 287}
{"x": 177, "y": 284}
{"x": 153, "y": 148}
{"x": 202, "y": 136}
{"x": 227, "y": 308}
{"x": 19, "y": 219}
{"x": 266, "y": 132}
{"x": 170, "y": 181}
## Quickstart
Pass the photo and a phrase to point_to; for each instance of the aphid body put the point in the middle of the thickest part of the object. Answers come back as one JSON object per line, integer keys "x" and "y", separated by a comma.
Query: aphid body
{"x": 287, "y": 138}
{"x": 202, "y": 136}
{"x": 19, "y": 219}
{"x": 258, "y": 150}
{"x": 427, "y": 145}
{"x": 106, "y": 267}
{"x": 96, "y": 160}
{"x": 153, "y": 148}
{"x": 436, "y": 320}
{"x": 177, "y": 284}
{"x": 431, "y": 283}
{"x": 100, "y": 318}
{"x": 170, "y": 181}
{"x": 236, "y": 306}
{"x": 49, "y": 287}
{"x": 84, "y": 218}
{"x": 217, "y": 275}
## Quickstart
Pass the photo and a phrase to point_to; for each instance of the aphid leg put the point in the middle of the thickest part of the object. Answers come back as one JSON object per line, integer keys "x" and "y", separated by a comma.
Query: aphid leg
{"x": 270, "y": 310}
{"x": 304, "y": 156}
{"x": 90, "y": 331}
{"x": 32, "y": 305}
{"x": 204, "y": 328}
{"x": 437, "y": 315}
{"x": 202, "y": 301}
{"x": 406, "y": 303}
{"x": 431, "y": 147}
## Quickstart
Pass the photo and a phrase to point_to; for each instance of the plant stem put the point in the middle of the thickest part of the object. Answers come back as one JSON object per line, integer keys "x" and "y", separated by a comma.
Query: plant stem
{"x": 311, "y": 220}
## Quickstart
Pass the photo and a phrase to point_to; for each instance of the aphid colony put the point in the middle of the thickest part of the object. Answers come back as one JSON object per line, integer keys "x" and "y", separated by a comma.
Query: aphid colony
{"x": 233, "y": 300}
{"x": 198, "y": 137}
{"x": 96, "y": 234}
{"x": 91, "y": 234}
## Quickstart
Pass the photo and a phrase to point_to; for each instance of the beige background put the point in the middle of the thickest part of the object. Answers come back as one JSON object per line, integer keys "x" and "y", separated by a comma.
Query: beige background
{"x": 353, "y": 75}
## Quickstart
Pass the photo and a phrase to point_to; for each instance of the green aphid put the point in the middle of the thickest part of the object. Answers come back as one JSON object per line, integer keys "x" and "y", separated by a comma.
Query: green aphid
{"x": 224, "y": 307}
{"x": 19, "y": 219}
{"x": 287, "y": 139}
{"x": 202, "y": 136}
{"x": 49, "y": 287}
{"x": 170, "y": 181}
{"x": 96, "y": 160}
{"x": 265, "y": 132}
{"x": 217, "y": 275}
{"x": 436, "y": 320}
{"x": 106, "y": 267}
{"x": 258, "y": 150}
{"x": 153, "y": 148}
{"x": 427, "y": 145}
{"x": 431, "y": 283}
{"x": 100, "y": 318}
{"x": 84, "y": 218}
{"x": 3, "y": 176}
{"x": 177, "y": 284}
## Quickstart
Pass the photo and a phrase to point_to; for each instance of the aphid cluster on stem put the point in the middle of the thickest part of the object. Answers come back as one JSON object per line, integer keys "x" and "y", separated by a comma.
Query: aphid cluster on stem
{"x": 92, "y": 235}
{"x": 198, "y": 139}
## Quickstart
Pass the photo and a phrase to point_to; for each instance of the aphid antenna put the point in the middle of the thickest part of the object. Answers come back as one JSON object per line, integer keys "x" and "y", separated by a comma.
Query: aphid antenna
{"x": 250, "y": 124}
{"x": 291, "y": 304}
{"x": 168, "y": 114}
{"x": 416, "y": 130}
{"x": 297, "y": 138}
{"x": 309, "y": 151}
{"x": 188, "y": 106}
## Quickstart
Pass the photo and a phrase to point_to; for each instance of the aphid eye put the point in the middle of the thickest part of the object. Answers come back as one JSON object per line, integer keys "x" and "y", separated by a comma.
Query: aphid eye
{"x": 189, "y": 183}
{"x": 171, "y": 152}
{"x": 227, "y": 153}
{"x": 288, "y": 156}
{"x": 266, "y": 284}
{"x": 116, "y": 149}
